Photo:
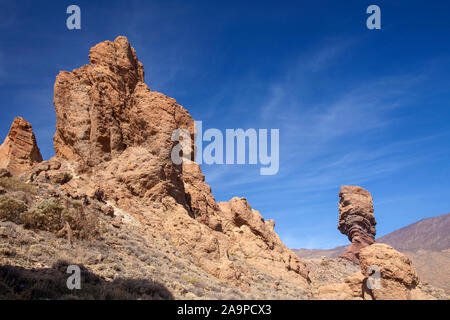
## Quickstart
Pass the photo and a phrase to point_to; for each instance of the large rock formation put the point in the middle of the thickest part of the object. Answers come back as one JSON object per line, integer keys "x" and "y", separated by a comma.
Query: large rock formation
{"x": 105, "y": 111}
{"x": 356, "y": 219}
{"x": 116, "y": 135}
{"x": 19, "y": 152}
{"x": 398, "y": 277}
{"x": 386, "y": 274}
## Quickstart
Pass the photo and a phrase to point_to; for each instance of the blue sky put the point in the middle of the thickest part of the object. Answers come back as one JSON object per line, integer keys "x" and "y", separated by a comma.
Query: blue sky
{"x": 353, "y": 106}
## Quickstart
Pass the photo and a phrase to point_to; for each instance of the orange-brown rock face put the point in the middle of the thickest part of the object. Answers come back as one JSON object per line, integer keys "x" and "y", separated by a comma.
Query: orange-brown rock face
{"x": 116, "y": 134}
{"x": 398, "y": 277}
{"x": 351, "y": 289}
{"x": 356, "y": 219}
{"x": 106, "y": 112}
{"x": 256, "y": 238}
{"x": 19, "y": 152}
{"x": 386, "y": 274}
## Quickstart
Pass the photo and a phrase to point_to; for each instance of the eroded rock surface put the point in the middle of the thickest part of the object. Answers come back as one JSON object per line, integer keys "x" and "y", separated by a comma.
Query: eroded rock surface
{"x": 116, "y": 135}
{"x": 19, "y": 152}
{"x": 356, "y": 219}
{"x": 351, "y": 289}
{"x": 386, "y": 274}
{"x": 399, "y": 279}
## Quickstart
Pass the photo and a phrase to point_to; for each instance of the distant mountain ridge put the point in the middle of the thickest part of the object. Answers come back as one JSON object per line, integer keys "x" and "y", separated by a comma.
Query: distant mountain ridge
{"x": 427, "y": 234}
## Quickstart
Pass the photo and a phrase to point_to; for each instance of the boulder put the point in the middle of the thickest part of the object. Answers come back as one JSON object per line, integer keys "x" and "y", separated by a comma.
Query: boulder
{"x": 398, "y": 277}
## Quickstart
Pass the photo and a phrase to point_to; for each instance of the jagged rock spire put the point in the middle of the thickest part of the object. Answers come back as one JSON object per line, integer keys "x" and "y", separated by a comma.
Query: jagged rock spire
{"x": 356, "y": 219}
{"x": 19, "y": 152}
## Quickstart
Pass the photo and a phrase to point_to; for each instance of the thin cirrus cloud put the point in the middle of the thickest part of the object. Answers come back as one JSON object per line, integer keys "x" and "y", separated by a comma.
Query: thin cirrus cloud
{"x": 345, "y": 137}
{"x": 310, "y": 131}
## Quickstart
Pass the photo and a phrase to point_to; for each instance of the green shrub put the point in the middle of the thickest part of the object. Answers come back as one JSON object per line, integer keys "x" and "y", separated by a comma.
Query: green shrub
{"x": 51, "y": 216}
{"x": 46, "y": 216}
{"x": 10, "y": 209}
{"x": 14, "y": 184}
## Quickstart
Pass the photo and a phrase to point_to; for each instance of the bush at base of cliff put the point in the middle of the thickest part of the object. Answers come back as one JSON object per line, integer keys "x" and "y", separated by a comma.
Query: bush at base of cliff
{"x": 46, "y": 216}
{"x": 51, "y": 216}
{"x": 85, "y": 225}
{"x": 13, "y": 184}
{"x": 11, "y": 209}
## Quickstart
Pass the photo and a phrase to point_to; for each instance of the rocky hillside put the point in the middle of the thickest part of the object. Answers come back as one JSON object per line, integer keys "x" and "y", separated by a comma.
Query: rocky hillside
{"x": 113, "y": 202}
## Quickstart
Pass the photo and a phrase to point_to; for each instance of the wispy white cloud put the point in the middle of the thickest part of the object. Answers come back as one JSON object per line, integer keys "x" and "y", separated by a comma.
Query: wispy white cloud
{"x": 327, "y": 52}
{"x": 333, "y": 140}
{"x": 339, "y": 137}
